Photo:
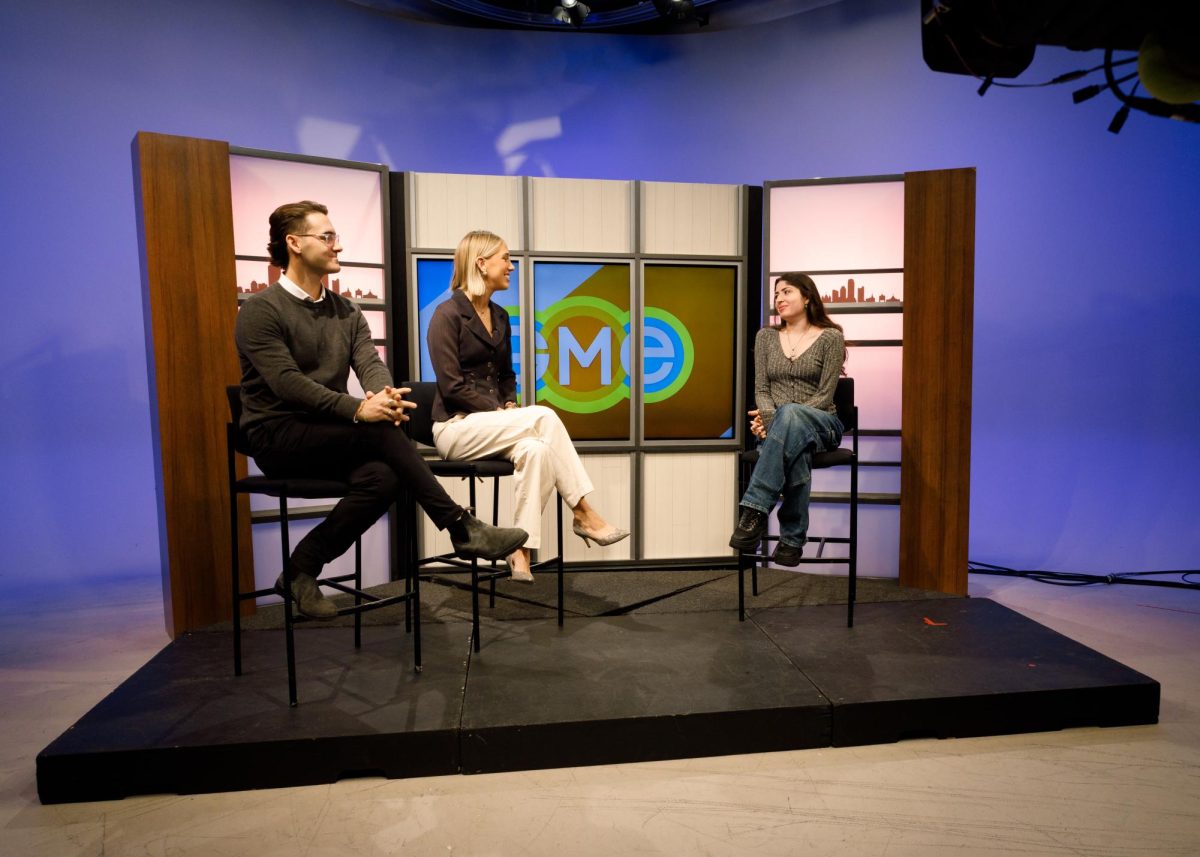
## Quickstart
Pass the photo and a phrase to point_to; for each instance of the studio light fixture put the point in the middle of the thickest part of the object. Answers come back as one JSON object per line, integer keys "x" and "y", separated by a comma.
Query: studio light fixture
{"x": 571, "y": 12}
{"x": 989, "y": 39}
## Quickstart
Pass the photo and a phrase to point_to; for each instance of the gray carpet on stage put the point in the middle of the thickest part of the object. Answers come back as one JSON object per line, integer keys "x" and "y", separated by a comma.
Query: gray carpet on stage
{"x": 447, "y": 597}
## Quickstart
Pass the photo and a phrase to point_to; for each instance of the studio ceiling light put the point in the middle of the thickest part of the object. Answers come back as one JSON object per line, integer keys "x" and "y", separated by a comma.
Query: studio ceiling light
{"x": 571, "y": 12}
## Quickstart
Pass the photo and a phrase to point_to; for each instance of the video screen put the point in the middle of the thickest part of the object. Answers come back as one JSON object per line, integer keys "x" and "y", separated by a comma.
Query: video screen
{"x": 581, "y": 347}
{"x": 689, "y": 333}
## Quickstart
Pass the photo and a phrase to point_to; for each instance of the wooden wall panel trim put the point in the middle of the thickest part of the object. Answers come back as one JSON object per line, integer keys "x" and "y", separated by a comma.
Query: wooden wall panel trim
{"x": 185, "y": 220}
{"x": 939, "y": 271}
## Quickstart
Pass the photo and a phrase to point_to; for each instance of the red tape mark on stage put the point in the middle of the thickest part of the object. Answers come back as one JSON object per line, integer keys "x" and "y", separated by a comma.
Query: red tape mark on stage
{"x": 929, "y": 621}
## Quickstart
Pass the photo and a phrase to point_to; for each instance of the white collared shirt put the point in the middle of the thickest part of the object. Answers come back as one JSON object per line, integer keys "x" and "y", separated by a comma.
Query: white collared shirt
{"x": 297, "y": 292}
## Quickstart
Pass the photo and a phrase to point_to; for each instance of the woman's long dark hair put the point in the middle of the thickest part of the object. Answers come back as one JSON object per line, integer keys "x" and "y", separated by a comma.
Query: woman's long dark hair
{"x": 815, "y": 310}
{"x": 816, "y": 307}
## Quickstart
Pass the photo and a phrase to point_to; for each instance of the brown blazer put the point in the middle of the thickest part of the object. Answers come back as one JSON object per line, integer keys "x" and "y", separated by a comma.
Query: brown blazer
{"x": 474, "y": 370}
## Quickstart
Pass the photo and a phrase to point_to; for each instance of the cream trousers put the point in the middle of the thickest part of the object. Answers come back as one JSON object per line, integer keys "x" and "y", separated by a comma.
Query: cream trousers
{"x": 534, "y": 440}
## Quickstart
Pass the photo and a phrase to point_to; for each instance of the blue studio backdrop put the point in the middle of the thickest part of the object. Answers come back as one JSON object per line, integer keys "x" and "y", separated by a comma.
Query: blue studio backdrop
{"x": 1086, "y": 396}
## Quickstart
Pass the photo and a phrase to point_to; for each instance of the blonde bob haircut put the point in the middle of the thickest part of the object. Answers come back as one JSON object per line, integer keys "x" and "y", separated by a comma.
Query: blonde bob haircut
{"x": 474, "y": 246}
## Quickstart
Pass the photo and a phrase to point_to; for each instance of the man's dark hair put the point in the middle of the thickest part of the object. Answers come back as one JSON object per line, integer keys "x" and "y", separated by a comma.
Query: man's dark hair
{"x": 289, "y": 220}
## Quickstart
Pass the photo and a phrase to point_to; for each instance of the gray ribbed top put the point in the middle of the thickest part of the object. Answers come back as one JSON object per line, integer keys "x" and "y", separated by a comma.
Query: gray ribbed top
{"x": 810, "y": 379}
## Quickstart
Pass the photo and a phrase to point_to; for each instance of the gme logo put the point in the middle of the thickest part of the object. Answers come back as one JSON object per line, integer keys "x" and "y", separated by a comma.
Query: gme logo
{"x": 667, "y": 352}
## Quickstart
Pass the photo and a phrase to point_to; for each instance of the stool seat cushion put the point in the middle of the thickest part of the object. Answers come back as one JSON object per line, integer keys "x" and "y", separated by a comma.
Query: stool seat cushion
{"x": 833, "y": 458}
{"x": 484, "y": 467}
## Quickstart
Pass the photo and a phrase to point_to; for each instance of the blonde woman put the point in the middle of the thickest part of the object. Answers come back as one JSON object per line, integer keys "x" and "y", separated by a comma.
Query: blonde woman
{"x": 475, "y": 411}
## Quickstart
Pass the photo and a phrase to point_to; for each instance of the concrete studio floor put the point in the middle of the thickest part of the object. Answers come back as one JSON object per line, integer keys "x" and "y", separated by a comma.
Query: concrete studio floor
{"x": 1126, "y": 791}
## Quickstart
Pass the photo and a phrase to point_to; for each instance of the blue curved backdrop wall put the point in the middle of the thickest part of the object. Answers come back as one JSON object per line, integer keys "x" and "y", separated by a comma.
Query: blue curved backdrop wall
{"x": 1086, "y": 390}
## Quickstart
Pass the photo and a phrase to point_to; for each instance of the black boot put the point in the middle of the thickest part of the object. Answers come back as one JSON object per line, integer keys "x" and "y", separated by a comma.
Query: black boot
{"x": 471, "y": 537}
{"x": 751, "y": 527}
{"x": 787, "y": 555}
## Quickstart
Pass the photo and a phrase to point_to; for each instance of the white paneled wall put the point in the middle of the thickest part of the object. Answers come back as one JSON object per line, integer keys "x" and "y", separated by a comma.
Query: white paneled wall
{"x": 690, "y": 219}
{"x": 688, "y": 501}
{"x": 688, "y": 498}
{"x": 448, "y": 206}
{"x": 581, "y": 216}
{"x": 610, "y": 474}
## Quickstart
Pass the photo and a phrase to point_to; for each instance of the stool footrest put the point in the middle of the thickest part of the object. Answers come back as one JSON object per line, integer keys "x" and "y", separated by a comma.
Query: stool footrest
{"x": 374, "y": 604}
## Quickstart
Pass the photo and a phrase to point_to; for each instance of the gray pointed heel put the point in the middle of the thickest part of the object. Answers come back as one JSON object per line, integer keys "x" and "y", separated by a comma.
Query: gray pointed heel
{"x": 519, "y": 577}
{"x": 610, "y": 538}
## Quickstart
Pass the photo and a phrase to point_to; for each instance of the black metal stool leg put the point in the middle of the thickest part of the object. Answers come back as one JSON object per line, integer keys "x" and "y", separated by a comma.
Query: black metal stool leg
{"x": 754, "y": 569}
{"x": 475, "y": 574}
{"x": 741, "y": 586}
{"x": 357, "y": 591}
{"x": 853, "y": 585}
{"x": 407, "y": 528}
{"x": 235, "y": 589}
{"x": 288, "y": 619}
{"x": 560, "y": 561}
{"x": 414, "y": 599}
{"x": 475, "y": 604}
{"x": 495, "y": 523}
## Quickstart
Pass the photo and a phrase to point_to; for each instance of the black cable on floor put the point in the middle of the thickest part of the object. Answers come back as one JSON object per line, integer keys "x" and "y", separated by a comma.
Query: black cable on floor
{"x": 1067, "y": 578}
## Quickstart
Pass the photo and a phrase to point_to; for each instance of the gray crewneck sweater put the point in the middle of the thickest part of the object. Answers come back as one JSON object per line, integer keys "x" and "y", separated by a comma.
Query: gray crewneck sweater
{"x": 810, "y": 379}
{"x": 296, "y": 356}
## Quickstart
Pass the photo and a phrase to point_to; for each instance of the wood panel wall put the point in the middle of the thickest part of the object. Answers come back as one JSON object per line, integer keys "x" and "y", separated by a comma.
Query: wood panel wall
{"x": 939, "y": 276}
{"x": 185, "y": 231}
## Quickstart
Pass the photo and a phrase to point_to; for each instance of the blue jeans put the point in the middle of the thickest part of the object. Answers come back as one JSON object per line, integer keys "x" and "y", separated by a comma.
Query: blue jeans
{"x": 785, "y": 466}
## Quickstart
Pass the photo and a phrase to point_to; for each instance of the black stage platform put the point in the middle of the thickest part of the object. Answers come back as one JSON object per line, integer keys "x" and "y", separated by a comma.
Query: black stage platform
{"x": 603, "y": 689}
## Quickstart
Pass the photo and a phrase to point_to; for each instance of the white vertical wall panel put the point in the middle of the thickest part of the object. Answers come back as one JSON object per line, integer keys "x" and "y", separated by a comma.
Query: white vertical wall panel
{"x": 871, "y": 480}
{"x": 581, "y": 215}
{"x": 448, "y": 206}
{"x": 690, "y": 219}
{"x": 610, "y": 475}
{"x": 852, "y": 226}
{"x": 688, "y": 504}
{"x": 877, "y": 385}
{"x": 868, "y": 326}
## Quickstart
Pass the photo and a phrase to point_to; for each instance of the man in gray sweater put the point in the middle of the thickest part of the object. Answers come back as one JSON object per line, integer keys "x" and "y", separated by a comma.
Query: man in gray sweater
{"x": 297, "y": 343}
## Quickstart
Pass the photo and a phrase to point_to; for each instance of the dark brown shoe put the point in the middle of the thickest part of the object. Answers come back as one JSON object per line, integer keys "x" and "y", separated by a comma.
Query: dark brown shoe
{"x": 787, "y": 555}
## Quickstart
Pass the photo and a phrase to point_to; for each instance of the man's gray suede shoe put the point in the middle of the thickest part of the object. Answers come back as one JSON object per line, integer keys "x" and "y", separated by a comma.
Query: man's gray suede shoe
{"x": 485, "y": 541}
{"x": 307, "y": 597}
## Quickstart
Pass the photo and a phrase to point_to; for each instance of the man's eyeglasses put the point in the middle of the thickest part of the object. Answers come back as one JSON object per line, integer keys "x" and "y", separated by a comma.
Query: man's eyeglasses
{"x": 330, "y": 238}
